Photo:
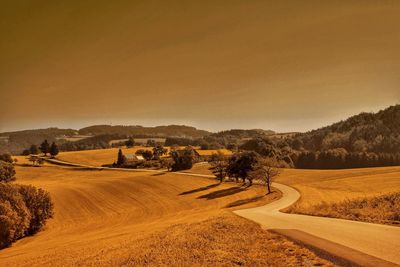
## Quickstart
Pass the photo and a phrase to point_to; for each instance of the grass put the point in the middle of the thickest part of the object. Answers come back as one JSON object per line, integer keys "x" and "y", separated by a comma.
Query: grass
{"x": 384, "y": 209}
{"x": 224, "y": 240}
{"x": 354, "y": 194}
{"x": 106, "y": 217}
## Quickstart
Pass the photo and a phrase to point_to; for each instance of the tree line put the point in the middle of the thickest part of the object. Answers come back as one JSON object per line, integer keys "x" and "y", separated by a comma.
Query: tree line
{"x": 340, "y": 159}
{"x": 245, "y": 167}
{"x": 44, "y": 147}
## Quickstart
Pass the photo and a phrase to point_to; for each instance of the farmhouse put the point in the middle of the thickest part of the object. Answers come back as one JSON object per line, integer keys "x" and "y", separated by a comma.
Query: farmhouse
{"x": 133, "y": 158}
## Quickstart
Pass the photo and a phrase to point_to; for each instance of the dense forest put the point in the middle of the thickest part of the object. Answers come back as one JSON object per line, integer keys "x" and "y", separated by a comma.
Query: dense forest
{"x": 364, "y": 140}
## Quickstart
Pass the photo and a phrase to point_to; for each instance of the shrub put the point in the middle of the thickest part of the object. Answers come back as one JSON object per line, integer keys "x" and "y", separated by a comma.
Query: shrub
{"x": 8, "y": 224}
{"x": 14, "y": 215}
{"x": 39, "y": 204}
{"x": 24, "y": 210}
{"x": 183, "y": 159}
{"x": 7, "y": 172}
{"x": 6, "y": 157}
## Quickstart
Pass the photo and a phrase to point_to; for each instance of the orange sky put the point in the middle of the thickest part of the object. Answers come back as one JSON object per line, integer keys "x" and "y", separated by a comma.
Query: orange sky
{"x": 280, "y": 65}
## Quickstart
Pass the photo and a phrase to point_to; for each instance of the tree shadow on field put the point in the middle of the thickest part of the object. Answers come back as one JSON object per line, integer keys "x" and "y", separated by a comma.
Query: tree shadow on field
{"x": 158, "y": 174}
{"x": 243, "y": 201}
{"x": 223, "y": 193}
{"x": 199, "y": 189}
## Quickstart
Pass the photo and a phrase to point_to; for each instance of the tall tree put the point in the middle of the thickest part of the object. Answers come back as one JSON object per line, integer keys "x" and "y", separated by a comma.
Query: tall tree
{"x": 241, "y": 164}
{"x": 219, "y": 166}
{"x": 54, "y": 150}
{"x": 33, "y": 149}
{"x": 121, "y": 160}
{"x": 45, "y": 147}
{"x": 130, "y": 142}
{"x": 183, "y": 159}
{"x": 265, "y": 170}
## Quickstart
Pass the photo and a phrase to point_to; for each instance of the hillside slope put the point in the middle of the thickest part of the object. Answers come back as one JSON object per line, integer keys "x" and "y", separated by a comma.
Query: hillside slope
{"x": 132, "y": 218}
{"x": 367, "y": 132}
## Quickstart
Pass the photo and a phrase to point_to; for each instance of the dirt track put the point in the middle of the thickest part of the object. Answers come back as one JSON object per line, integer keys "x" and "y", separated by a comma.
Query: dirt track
{"x": 333, "y": 235}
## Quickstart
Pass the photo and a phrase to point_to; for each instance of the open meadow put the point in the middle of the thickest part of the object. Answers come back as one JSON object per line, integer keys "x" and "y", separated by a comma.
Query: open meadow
{"x": 109, "y": 217}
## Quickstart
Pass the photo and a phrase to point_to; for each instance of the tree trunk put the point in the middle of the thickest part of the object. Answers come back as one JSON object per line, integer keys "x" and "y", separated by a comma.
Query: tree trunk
{"x": 269, "y": 188}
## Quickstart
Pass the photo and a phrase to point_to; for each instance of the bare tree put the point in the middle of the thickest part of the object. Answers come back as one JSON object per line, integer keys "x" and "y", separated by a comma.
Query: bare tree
{"x": 219, "y": 166}
{"x": 265, "y": 171}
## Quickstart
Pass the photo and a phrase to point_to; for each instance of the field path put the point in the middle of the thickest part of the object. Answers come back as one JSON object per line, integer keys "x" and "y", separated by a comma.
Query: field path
{"x": 341, "y": 238}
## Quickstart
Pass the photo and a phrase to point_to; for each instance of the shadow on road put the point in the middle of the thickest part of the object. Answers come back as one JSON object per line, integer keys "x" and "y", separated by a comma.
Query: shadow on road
{"x": 243, "y": 201}
{"x": 199, "y": 189}
{"x": 223, "y": 192}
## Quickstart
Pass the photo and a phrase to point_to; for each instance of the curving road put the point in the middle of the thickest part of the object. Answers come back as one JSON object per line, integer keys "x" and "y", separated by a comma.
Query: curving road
{"x": 359, "y": 243}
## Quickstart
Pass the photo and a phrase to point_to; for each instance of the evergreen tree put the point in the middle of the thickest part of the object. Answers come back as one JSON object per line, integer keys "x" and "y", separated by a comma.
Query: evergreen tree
{"x": 130, "y": 142}
{"x": 53, "y": 150}
{"x": 121, "y": 160}
{"x": 33, "y": 150}
{"x": 45, "y": 147}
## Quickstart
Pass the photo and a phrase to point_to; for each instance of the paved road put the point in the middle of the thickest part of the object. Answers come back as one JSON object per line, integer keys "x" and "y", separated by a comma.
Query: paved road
{"x": 349, "y": 240}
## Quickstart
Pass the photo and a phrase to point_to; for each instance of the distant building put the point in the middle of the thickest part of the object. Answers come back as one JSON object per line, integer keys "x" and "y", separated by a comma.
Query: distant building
{"x": 134, "y": 158}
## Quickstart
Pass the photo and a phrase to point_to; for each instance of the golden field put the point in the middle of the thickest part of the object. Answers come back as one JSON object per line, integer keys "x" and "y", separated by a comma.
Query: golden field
{"x": 315, "y": 186}
{"x": 109, "y": 218}
{"x": 96, "y": 157}
{"x": 100, "y": 157}
{"x": 355, "y": 194}
{"x": 332, "y": 186}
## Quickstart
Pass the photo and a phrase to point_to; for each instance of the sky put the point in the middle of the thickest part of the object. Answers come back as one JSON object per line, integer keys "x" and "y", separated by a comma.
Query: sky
{"x": 280, "y": 65}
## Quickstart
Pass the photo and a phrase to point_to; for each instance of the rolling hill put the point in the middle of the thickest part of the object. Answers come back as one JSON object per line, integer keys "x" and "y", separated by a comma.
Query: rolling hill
{"x": 113, "y": 218}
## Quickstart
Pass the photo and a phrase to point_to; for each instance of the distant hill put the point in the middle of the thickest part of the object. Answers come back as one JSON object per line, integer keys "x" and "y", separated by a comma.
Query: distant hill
{"x": 240, "y": 133}
{"x": 158, "y": 131}
{"x": 367, "y": 132}
{"x": 97, "y": 136}
{"x": 15, "y": 142}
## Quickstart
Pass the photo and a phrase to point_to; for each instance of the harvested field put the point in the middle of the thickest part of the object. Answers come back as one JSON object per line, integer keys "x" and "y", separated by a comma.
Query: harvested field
{"x": 384, "y": 209}
{"x": 96, "y": 157}
{"x": 112, "y": 218}
{"x": 352, "y": 194}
